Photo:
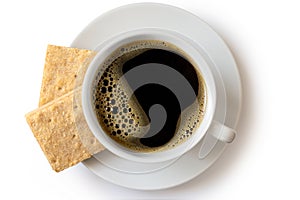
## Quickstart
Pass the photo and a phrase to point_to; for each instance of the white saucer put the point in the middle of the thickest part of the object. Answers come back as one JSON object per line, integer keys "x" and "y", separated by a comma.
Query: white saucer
{"x": 175, "y": 172}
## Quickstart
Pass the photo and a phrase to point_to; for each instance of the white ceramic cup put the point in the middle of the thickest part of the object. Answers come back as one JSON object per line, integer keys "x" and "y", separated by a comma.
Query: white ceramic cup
{"x": 190, "y": 48}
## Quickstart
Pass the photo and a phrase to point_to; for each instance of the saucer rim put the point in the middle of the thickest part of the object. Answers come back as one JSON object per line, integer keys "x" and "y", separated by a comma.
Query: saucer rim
{"x": 93, "y": 165}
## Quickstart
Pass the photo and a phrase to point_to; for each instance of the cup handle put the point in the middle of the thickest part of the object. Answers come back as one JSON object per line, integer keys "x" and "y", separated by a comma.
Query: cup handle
{"x": 216, "y": 132}
{"x": 222, "y": 132}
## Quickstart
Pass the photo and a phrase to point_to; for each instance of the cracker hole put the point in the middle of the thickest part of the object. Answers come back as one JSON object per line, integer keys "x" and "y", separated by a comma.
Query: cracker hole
{"x": 93, "y": 141}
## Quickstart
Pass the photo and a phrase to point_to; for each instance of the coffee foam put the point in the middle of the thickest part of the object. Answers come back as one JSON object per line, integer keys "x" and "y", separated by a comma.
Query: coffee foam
{"x": 119, "y": 113}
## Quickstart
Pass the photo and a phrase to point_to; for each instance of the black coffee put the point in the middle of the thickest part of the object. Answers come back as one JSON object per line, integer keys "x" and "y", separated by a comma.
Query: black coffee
{"x": 148, "y": 96}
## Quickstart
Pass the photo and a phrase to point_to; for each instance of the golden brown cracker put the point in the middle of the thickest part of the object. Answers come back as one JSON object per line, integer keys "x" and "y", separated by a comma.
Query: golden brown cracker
{"x": 55, "y": 126}
{"x": 61, "y": 69}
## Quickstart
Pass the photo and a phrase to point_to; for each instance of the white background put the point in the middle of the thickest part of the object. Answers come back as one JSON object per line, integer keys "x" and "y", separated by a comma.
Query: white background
{"x": 263, "y": 162}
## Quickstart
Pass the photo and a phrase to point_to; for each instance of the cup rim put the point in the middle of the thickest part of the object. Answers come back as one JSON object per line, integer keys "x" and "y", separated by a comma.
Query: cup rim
{"x": 104, "y": 50}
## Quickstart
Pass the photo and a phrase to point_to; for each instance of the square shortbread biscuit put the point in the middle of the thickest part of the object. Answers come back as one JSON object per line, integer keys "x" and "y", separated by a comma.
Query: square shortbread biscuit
{"x": 62, "y": 132}
{"x": 63, "y": 71}
{"x": 59, "y": 124}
